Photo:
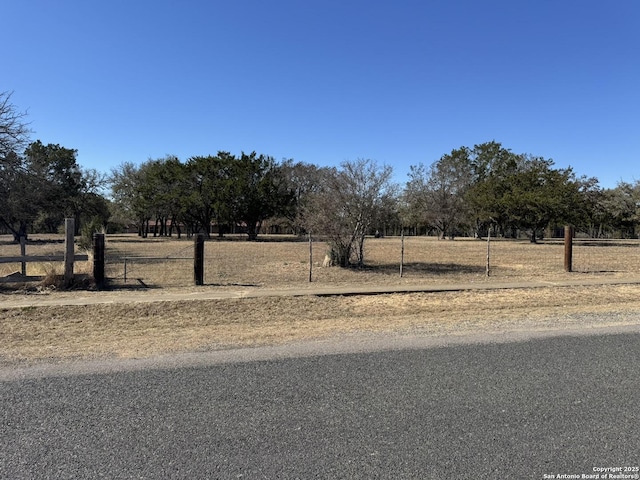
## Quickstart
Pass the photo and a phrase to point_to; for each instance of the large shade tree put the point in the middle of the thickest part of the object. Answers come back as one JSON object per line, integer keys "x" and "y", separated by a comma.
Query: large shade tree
{"x": 489, "y": 185}
{"x": 164, "y": 187}
{"x": 45, "y": 185}
{"x": 521, "y": 192}
{"x": 207, "y": 196}
{"x": 127, "y": 205}
{"x": 259, "y": 192}
{"x": 60, "y": 184}
{"x": 207, "y": 190}
{"x": 493, "y": 165}
{"x": 538, "y": 195}
{"x": 154, "y": 190}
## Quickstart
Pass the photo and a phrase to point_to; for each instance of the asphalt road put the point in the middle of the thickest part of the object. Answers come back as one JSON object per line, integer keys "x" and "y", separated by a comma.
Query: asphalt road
{"x": 564, "y": 405}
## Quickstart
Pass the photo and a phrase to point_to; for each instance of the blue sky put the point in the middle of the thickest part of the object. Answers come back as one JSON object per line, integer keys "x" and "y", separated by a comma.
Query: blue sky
{"x": 399, "y": 82}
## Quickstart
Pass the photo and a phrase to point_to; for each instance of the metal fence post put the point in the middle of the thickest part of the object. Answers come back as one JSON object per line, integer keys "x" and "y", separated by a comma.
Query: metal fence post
{"x": 198, "y": 260}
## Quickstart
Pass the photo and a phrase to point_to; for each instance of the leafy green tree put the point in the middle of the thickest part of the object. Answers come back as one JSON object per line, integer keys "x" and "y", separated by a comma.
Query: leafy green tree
{"x": 59, "y": 183}
{"x": 259, "y": 191}
{"x": 162, "y": 187}
{"x": 173, "y": 178}
{"x": 538, "y": 194}
{"x": 522, "y": 192}
{"x": 130, "y": 196}
{"x": 41, "y": 188}
{"x": 18, "y": 208}
{"x": 493, "y": 165}
{"x": 96, "y": 209}
{"x": 210, "y": 188}
{"x": 40, "y": 184}
{"x": 586, "y": 212}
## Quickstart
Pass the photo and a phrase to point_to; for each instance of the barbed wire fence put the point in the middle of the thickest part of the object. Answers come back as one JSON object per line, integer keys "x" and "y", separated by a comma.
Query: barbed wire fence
{"x": 299, "y": 262}
{"x": 290, "y": 261}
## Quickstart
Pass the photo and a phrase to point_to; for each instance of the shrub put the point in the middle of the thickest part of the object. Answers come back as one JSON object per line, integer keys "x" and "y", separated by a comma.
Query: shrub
{"x": 86, "y": 232}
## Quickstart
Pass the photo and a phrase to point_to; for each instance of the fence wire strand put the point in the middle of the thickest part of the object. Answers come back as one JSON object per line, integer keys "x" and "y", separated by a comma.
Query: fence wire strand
{"x": 283, "y": 261}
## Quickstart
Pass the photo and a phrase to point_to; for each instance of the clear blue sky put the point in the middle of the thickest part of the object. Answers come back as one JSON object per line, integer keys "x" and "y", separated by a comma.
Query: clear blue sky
{"x": 399, "y": 82}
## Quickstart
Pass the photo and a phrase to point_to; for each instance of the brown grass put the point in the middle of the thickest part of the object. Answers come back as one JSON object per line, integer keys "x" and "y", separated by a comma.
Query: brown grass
{"x": 284, "y": 263}
{"x": 281, "y": 261}
{"x": 145, "y": 329}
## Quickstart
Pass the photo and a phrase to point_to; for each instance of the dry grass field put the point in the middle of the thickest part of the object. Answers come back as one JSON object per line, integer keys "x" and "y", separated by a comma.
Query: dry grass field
{"x": 144, "y": 329}
{"x": 281, "y": 261}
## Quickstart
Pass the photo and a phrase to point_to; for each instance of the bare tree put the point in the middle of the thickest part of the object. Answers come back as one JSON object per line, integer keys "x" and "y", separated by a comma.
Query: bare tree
{"x": 14, "y": 130}
{"x": 14, "y": 181}
{"x": 304, "y": 180}
{"x": 436, "y": 195}
{"x": 348, "y": 205}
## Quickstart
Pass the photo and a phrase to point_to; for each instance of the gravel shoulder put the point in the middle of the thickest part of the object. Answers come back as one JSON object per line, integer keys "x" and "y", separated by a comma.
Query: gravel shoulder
{"x": 358, "y": 342}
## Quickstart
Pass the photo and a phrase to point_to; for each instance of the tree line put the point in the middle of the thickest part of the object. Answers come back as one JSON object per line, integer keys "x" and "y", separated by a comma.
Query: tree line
{"x": 471, "y": 191}
{"x": 222, "y": 190}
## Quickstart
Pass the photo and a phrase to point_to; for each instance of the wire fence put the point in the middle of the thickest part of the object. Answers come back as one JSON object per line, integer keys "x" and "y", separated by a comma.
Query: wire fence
{"x": 157, "y": 263}
{"x": 288, "y": 261}
{"x": 285, "y": 261}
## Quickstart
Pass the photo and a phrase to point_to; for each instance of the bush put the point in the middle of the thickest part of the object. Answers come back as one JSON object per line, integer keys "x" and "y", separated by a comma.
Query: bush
{"x": 86, "y": 232}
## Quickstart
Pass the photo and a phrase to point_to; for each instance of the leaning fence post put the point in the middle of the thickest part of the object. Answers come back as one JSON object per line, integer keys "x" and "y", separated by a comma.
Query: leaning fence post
{"x": 69, "y": 228}
{"x": 198, "y": 260}
{"x": 568, "y": 248}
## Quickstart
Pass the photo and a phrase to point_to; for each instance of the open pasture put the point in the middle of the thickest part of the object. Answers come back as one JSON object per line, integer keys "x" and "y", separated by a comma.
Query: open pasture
{"x": 285, "y": 261}
{"x": 281, "y": 261}
{"x": 121, "y": 329}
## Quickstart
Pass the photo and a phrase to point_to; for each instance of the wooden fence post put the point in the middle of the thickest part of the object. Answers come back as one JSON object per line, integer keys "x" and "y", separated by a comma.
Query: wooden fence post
{"x": 310, "y": 258}
{"x": 23, "y": 253}
{"x": 402, "y": 252}
{"x": 568, "y": 248}
{"x": 488, "y": 269}
{"x": 69, "y": 254}
{"x": 198, "y": 260}
{"x": 98, "y": 260}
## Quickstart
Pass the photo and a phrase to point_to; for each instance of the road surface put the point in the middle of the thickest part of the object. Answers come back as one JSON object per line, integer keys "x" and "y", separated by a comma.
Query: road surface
{"x": 517, "y": 409}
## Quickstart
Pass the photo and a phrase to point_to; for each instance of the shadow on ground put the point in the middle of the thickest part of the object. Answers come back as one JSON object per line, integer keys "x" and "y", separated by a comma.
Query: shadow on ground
{"x": 423, "y": 268}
